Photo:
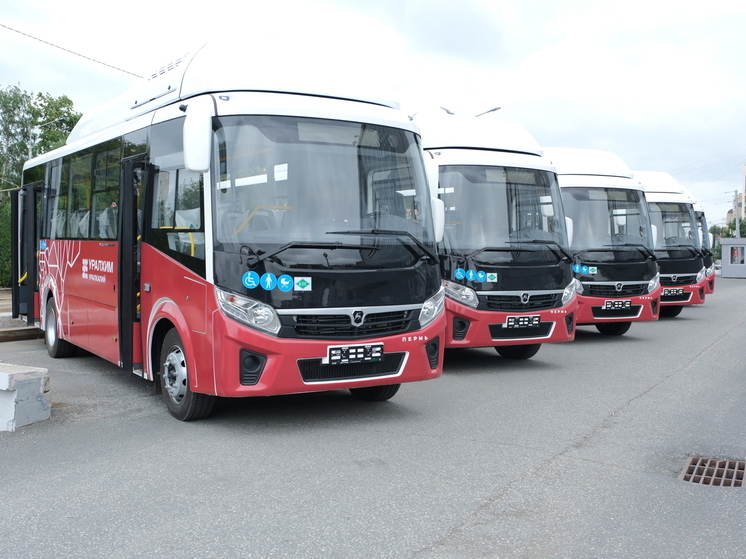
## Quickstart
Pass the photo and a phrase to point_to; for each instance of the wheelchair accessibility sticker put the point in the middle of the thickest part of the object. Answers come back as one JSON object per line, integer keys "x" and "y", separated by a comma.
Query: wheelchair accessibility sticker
{"x": 268, "y": 282}
{"x": 474, "y": 275}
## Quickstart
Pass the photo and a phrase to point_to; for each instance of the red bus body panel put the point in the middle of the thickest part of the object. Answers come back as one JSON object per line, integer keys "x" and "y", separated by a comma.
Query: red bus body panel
{"x": 83, "y": 277}
{"x": 478, "y": 334}
{"x": 710, "y": 285}
{"x": 649, "y": 308}
{"x": 213, "y": 342}
{"x": 696, "y": 292}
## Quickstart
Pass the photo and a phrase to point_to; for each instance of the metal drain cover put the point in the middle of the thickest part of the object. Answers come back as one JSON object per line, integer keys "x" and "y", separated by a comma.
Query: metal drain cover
{"x": 713, "y": 471}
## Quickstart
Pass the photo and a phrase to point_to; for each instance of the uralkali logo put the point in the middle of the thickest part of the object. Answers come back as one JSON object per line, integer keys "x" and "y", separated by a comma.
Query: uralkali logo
{"x": 92, "y": 265}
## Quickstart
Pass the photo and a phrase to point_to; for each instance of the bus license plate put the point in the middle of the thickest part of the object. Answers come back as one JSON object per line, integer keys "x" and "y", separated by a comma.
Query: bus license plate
{"x": 617, "y": 304}
{"x": 369, "y": 353}
{"x": 523, "y": 321}
{"x": 673, "y": 291}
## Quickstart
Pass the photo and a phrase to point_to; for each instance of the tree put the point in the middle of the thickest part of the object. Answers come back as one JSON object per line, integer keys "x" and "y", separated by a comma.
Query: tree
{"x": 29, "y": 125}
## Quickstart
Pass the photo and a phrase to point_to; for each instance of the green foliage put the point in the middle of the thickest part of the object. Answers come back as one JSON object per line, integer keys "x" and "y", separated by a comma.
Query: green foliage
{"x": 30, "y": 124}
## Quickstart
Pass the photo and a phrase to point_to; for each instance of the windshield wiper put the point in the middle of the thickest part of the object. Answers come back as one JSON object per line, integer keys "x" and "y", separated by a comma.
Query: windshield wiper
{"x": 562, "y": 253}
{"x": 639, "y": 246}
{"x": 486, "y": 249}
{"x": 432, "y": 255}
{"x": 253, "y": 259}
{"x": 691, "y": 248}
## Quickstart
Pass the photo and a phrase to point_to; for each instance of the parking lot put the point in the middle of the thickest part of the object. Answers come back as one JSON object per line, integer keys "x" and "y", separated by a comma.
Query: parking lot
{"x": 575, "y": 453}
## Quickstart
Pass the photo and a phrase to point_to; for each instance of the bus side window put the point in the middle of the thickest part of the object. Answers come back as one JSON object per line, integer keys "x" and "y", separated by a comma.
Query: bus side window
{"x": 177, "y": 223}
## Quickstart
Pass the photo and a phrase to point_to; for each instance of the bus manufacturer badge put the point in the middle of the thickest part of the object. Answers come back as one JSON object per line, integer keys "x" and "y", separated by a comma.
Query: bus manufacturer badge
{"x": 357, "y": 318}
{"x": 524, "y": 298}
{"x": 619, "y": 286}
{"x": 674, "y": 278}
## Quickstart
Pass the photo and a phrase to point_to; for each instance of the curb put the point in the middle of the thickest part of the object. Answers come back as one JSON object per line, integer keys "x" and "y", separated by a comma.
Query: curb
{"x": 18, "y": 334}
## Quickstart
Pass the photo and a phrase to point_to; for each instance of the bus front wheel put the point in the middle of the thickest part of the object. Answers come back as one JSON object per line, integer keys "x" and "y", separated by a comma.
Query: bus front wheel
{"x": 181, "y": 402}
{"x": 375, "y": 393}
{"x": 56, "y": 347}
{"x": 518, "y": 351}
{"x": 613, "y": 328}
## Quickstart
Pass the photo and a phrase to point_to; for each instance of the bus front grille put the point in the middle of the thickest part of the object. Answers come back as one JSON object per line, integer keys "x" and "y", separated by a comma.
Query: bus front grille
{"x": 313, "y": 370}
{"x": 328, "y": 326}
{"x": 605, "y": 290}
{"x": 687, "y": 279}
{"x": 513, "y": 303}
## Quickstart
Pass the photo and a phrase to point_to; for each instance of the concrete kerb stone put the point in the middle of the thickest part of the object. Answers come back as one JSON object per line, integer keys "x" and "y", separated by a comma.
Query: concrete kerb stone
{"x": 22, "y": 392}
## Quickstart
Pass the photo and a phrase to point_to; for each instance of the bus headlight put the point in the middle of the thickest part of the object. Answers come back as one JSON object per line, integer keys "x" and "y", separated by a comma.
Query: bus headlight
{"x": 432, "y": 308}
{"x": 701, "y": 275}
{"x": 579, "y": 286}
{"x": 654, "y": 283}
{"x": 461, "y": 294}
{"x": 711, "y": 270}
{"x": 570, "y": 291}
{"x": 248, "y": 311}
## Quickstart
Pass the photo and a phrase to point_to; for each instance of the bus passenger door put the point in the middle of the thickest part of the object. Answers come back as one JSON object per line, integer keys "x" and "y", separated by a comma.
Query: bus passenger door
{"x": 135, "y": 176}
{"x": 25, "y": 226}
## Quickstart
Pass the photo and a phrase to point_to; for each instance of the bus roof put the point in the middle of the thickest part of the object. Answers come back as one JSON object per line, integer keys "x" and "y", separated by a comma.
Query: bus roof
{"x": 216, "y": 67}
{"x": 662, "y": 187}
{"x": 452, "y": 131}
{"x": 576, "y": 161}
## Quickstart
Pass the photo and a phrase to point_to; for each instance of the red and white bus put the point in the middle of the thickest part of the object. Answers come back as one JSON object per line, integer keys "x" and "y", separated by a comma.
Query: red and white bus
{"x": 504, "y": 256}
{"x": 677, "y": 242}
{"x": 225, "y": 237}
{"x": 611, "y": 239}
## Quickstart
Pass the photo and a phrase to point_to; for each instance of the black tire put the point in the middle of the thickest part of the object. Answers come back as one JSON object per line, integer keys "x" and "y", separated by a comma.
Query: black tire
{"x": 181, "y": 402}
{"x": 375, "y": 393}
{"x": 669, "y": 311}
{"x": 56, "y": 347}
{"x": 518, "y": 351}
{"x": 613, "y": 328}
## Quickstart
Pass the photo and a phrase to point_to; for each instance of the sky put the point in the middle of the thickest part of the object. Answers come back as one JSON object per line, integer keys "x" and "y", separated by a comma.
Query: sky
{"x": 661, "y": 83}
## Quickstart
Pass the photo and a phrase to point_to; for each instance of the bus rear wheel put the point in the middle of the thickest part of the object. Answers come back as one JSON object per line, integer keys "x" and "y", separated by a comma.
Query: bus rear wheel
{"x": 670, "y": 311}
{"x": 375, "y": 393}
{"x": 518, "y": 351}
{"x": 181, "y": 402}
{"x": 613, "y": 328}
{"x": 56, "y": 347}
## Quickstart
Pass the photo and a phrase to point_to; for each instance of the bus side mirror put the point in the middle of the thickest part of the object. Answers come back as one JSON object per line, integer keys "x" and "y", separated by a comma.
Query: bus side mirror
{"x": 198, "y": 134}
{"x": 439, "y": 218}
{"x": 569, "y": 226}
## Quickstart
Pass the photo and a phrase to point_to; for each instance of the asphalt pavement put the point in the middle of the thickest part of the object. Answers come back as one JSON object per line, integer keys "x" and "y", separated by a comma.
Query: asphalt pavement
{"x": 572, "y": 454}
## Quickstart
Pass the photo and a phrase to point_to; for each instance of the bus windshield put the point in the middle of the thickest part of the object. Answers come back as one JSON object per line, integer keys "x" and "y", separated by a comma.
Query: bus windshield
{"x": 608, "y": 221}
{"x": 496, "y": 213}
{"x": 313, "y": 193}
{"x": 675, "y": 226}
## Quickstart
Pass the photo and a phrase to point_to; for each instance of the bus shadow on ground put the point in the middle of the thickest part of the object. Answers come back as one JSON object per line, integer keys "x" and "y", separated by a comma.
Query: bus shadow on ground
{"x": 315, "y": 409}
{"x": 486, "y": 361}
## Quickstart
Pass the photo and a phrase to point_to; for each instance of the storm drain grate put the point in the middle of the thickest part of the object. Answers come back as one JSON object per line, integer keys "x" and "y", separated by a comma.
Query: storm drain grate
{"x": 711, "y": 471}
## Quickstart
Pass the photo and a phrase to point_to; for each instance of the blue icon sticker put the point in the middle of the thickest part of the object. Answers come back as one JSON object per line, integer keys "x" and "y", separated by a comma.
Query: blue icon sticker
{"x": 585, "y": 269}
{"x": 269, "y": 281}
{"x": 250, "y": 280}
{"x": 576, "y": 268}
{"x": 459, "y": 273}
{"x": 42, "y": 245}
{"x": 481, "y": 276}
{"x": 471, "y": 275}
{"x": 285, "y": 283}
